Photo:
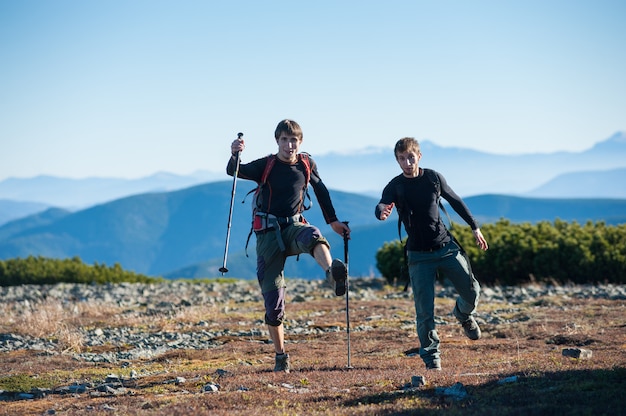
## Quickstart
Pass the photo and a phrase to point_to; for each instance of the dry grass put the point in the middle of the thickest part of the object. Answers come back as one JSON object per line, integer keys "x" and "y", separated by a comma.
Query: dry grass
{"x": 527, "y": 344}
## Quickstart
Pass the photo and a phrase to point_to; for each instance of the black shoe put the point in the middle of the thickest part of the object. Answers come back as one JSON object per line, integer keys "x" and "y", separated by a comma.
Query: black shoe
{"x": 434, "y": 365}
{"x": 471, "y": 328}
{"x": 282, "y": 363}
{"x": 339, "y": 273}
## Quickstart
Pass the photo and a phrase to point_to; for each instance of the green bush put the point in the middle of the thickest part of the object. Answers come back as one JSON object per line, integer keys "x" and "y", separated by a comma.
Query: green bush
{"x": 559, "y": 252}
{"x": 42, "y": 270}
{"x": 390, "y": 261}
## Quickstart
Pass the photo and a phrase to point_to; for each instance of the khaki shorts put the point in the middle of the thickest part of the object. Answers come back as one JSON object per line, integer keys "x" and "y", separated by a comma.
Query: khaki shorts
{"x": 298, "y": 238}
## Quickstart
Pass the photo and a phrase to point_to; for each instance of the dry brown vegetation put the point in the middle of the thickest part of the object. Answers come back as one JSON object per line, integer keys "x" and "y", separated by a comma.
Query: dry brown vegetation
{"x": 321, "y": 384}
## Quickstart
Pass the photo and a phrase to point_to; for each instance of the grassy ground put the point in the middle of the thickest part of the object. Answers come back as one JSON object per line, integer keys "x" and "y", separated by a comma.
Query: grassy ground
{"x": 516, "y": 368}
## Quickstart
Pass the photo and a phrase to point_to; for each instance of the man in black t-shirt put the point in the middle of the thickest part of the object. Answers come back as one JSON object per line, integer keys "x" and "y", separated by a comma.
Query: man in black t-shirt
{"x": 430, "y": 247}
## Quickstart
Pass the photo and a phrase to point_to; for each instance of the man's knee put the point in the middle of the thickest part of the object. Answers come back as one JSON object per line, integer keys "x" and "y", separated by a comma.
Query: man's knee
{"x": 274, "y": 306}
{"x": 274, "y": 320}
{"x": 322, "y": 245}
{"x": 310, "y": 238}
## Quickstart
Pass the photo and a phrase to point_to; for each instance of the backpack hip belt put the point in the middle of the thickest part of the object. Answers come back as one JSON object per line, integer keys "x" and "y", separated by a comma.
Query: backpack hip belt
{"x": 264, "y": 223}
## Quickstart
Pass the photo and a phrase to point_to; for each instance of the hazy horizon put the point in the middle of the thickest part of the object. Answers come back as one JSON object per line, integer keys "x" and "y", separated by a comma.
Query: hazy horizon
{"x": 127, "y": 88}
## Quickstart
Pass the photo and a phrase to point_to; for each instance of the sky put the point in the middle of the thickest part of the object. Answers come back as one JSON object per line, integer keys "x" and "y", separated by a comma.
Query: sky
{"x": 130, "y": 88}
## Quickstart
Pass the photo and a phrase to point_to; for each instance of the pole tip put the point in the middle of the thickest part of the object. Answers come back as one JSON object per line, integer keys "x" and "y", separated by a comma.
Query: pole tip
{"x": 239, "y": 135}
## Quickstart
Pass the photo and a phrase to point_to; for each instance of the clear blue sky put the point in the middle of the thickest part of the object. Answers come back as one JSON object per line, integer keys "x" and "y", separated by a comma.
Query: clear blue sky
{"x": 129, "y": 88}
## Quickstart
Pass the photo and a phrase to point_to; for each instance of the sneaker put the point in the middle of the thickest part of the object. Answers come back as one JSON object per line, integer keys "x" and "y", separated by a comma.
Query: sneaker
{"x": 339, "y": 272}
{"x": 471, "y": 328}
{"x": 282, "y": 363}
{"x": 434, "y": 365}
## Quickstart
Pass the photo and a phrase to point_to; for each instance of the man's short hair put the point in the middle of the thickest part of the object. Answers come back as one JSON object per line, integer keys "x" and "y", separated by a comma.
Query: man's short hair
{"x": 289, "y": 127}
{"x": 406, "y": 144}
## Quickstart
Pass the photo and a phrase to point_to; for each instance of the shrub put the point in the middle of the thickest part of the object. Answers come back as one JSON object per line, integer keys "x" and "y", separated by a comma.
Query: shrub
{"x": 41, "y": 270}
{"x": 390, "y": 262}
{"x": 558, "y": 252}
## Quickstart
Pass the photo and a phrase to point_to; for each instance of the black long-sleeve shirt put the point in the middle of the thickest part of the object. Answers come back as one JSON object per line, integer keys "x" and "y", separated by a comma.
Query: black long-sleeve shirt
{"x": 417, "y": 202}
{"x": 284, "y": 191}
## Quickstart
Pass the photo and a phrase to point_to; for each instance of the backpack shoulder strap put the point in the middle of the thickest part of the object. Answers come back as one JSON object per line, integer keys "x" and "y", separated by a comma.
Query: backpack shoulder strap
{"x": 269, "y": 164}
{"x": 435, "y": 180}
{"x": 400, "y": 206}
{"x": 271, "y": 160}
{"x": 305, "y": 159}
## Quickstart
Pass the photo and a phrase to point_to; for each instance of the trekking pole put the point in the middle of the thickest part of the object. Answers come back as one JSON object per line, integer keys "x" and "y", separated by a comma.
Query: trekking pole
{"x": 223, "y": 269}
{"x": 346, "y": 261}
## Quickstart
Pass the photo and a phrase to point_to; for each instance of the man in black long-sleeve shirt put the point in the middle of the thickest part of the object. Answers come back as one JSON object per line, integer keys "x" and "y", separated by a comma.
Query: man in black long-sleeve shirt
{"x": 430, "y": 247}
{"x": 280, "y": 228}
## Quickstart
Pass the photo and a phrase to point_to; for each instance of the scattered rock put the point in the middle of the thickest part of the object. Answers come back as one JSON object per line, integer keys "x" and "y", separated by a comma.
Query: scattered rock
{"x": 211, "y": 388}
{"x": 138, "y": 296}
{"x": 418, "y": 381}
{"x": 577, "y": 353}
{"x": 203, "y": 336}
{"x": 223, "y": 373}
{"x": 77, "y": 388}
{"x": 456, "y": 392}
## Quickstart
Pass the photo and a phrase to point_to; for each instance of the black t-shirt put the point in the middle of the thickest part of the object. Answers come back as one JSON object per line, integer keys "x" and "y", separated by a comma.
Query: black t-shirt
{"x": 417, "y": 202}
{"x": 283, "y": 194}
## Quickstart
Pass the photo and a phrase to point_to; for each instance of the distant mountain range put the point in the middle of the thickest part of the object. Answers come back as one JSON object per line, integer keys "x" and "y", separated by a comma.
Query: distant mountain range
{"x": 589, "y": 184}
{"x": 471, "y": 172}
{"x": 10, "y": 210}
{"x": 182, "y": 233}
{"x": 599, "y": 172}
{"x": 175, "y": 225}
{"x": 81, "y": 193}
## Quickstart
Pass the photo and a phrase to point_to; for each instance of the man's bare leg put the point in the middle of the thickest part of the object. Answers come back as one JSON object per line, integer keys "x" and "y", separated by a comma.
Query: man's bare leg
{"x": 277, "y": 333}
{"x": 338, "y": 282}
{"x": 321, "y": 253}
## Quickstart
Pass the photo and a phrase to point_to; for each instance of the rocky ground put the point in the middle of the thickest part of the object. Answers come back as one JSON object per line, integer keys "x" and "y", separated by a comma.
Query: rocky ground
{"x": 122, "y": 327}
{"x": 167, "y": 299}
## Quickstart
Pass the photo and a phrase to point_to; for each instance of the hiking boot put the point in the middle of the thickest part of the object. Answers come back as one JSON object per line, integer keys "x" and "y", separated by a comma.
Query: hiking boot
{"x": 434, "y": 365}
{"x": 339, "y": 274}
{"x": 471, "y": 328}
{"x": 282, "y": 363}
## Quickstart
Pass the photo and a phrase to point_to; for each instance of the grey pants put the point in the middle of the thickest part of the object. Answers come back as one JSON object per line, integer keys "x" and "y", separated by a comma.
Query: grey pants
{"x": 423, "y": 267}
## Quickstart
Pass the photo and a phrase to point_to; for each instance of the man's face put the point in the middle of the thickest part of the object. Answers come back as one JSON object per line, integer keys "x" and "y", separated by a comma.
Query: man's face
{"x": 288, "y": 146}
{"x": 409, "y": 162}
